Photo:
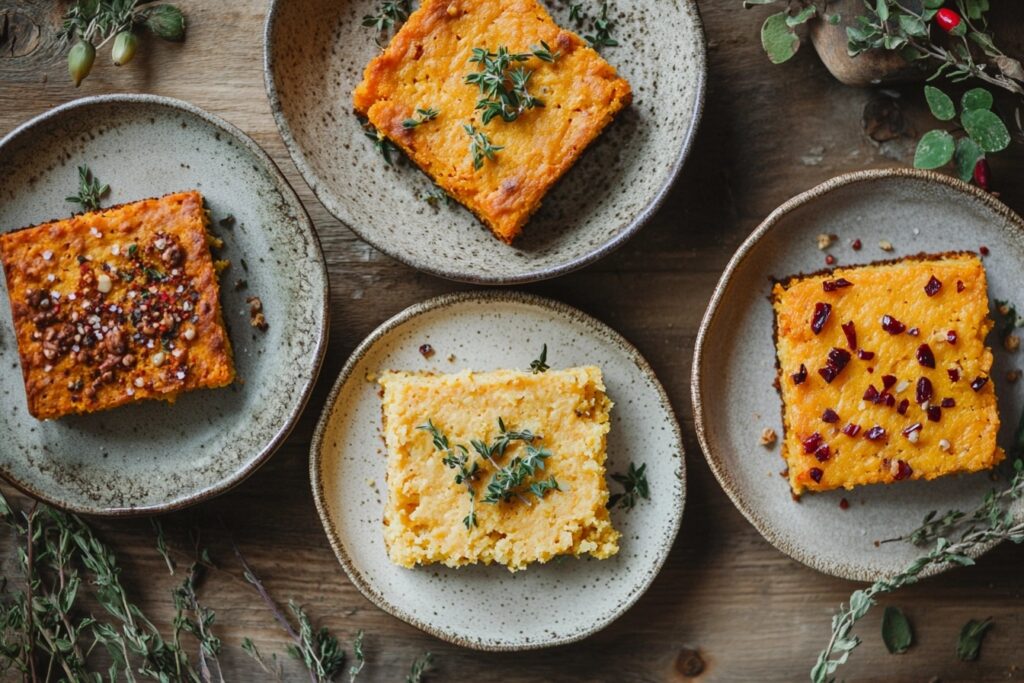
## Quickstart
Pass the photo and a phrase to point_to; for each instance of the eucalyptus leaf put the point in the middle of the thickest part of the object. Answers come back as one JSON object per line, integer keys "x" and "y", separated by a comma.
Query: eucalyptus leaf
{"x": 966, "y": 158}
{"x": 882, "y": 10}
{"x": 778, "y": 39}
{"x": 969, "y": 644}
{"x": 935, "y": 149}
{"x": 896, "y": 632}
{"x": 984, "y": 41}
{"x": 802, "y": 17}
{"x": 987, "y": 129}
{"x": 976, "y": 98}
{"x": 913, "y": 26}
{"x": 940, "y": 103}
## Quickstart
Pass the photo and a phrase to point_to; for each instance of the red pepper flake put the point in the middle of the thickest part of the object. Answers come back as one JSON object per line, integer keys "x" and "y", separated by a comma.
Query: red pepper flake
{"x": 851, "y": 335}
{"x": 984, "y": 250}
{"x": 823, "y": 453}
{"x": 925, "y": 356}
{"x": 888, "y": 381}
{"x": 960, "y": 286}
{"x": 875, "y": 433}
{"x": 892, "y": 325}
{"x": 925, "y": 392}
{"x": 903, "y": 470}
{"x": 978, "y": 383}
{"x": 851, "y": 429}
{"x": 954, "y": 375}
{"x": 821, "y": 314}
{"x": 833, "y": 285}
{"x": 948, "y": 403}
{"x": 951, "y": 336}
{"x": 812, "y": 442}
{"x": 829, "y": 259}
{"x": 934, "y": 413}
{"x": 865, "y": 355}
{"x": 933, "y": 286}
{"x": 902, "y": 407}
{"x": 844, "y": 504}
{"x": 816, "y": 474}
{"x": 830, "y": 416}
{"x": 801, "y": 376}
{"x": 856, "y": 245}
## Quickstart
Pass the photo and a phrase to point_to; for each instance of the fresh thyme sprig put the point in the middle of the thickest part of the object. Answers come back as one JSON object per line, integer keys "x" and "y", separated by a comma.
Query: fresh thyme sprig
{"x": 422, "y": 116}
{"x": 381, "y": 143}
{"x": 480, "y": 146}
{"x": 634, "y": 485}
{"x": 457, "y": 458}
{"x": 90, "y": 190}
{"x": 540, "y": 363}
{"x": 420, "y": 666}
{"x": 602, "y": 30}
{"x": 435, "y": 196}
{"x": 505, "y": 90}
{"x": 507, "y": 481}
{"x": 390, "y": 14}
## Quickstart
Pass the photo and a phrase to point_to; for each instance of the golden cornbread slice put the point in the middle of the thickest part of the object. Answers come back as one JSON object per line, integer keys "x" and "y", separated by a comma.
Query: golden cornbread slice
{"x": 884, "y": 372}
{"x": 425, "y": 66}
{"x": 426, "y": 510}
{"x": 116, "y": 306}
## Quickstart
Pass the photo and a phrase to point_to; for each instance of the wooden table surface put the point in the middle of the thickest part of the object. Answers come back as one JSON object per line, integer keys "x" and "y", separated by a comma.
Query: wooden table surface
{"x": 750, "y": 612}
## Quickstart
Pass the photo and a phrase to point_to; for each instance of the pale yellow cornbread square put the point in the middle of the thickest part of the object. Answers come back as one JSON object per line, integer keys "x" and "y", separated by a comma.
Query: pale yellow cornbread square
{"x": 423, "y": 517}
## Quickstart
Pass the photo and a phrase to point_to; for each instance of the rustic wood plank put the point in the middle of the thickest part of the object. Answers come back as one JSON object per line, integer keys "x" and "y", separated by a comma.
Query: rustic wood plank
{"x": 751, "y": 613}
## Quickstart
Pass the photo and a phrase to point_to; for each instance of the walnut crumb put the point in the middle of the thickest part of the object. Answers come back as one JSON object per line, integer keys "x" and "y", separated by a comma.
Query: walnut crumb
{"x": 1011, "y": 342}
{"x": 256, "y": 317}
{"x": 825, "y": 240}
{"x": 885, "y": 245}
{"x": 768, "y": 436}
{"x": 451, "y": 357}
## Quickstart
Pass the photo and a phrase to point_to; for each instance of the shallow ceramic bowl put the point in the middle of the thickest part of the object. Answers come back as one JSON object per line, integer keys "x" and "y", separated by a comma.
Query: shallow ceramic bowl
{"x": 152, "y": 456}
{"x": 314, "y": 55}
{"x": 734, "y": 360}
{"x": 488, "y": 331}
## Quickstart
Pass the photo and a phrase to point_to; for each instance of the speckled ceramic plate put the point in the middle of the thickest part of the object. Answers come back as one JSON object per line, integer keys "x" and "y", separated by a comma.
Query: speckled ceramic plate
{"x": 314, "y": 55}
{"x": 734, "y": 361}
{"x": 488, "y": 331}
{"x": 153, "y": 456}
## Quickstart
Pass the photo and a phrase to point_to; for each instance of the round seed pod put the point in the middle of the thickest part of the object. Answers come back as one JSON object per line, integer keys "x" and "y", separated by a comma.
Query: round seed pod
{"x": 125, "y": 45}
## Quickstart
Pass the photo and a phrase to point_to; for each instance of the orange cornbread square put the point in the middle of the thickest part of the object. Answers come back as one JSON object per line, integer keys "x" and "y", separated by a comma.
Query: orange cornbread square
{"x": 116, "y": 306}
{"x": 425, "y": 66}
{"x": 914, "y": 400}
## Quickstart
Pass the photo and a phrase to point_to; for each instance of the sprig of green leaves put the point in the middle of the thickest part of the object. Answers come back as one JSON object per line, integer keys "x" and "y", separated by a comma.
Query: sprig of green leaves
{"x": 390, "y": 14}
{"x": 504, "y": 90}
{"x": 480, "y": 146}
{"x": 540, "y": 363}
{"x": 90, "y": 190}
{"x": 984, "y": 132}
{"x": 422, "y": 116}
{"x": 634, "y": 486}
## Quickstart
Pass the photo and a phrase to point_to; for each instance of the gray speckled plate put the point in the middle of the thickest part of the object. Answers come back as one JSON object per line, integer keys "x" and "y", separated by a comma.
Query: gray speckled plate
{"x": 153, "y": 456}
{"x": 314, "y": 55}
{"x": 733, "y": 396}
{"x": 488, "y": 331}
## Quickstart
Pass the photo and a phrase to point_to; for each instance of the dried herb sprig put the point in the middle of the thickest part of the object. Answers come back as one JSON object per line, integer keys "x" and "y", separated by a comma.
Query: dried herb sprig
{"x": 381, "y": 143}
{"x": 505, "y": 90}
{"x": 420, "y": 666}
{"x": 634, "y": 486}
{"x": 601, "y": 35}
{"x": 540, "y": 363}
{"x": 390, "y": 14}
{"x": 90, "y": 190}
{"x": 480, "y": 146}
{"x": 457, "y": 458}
{"x": 422, "y": 116}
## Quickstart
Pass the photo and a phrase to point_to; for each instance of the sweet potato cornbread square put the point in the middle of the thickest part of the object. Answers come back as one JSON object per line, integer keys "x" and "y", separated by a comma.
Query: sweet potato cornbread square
{"x": 431, "y": 518}
{"x": 425, "y": 67}
{"x": 116, "y": 306}
{"x": 884, "y": 372}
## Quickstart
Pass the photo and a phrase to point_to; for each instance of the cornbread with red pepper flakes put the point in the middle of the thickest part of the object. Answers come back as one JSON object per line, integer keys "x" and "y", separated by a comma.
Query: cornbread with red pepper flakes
{"x": 884, "y": 372}
{"x": 425, "y": 66}
{"x": 116, "y": 306}
{"x": 428, "y": 517}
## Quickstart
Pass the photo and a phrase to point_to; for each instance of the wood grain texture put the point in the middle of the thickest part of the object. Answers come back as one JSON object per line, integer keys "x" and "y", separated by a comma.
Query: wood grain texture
{"x": 751, "y": 613}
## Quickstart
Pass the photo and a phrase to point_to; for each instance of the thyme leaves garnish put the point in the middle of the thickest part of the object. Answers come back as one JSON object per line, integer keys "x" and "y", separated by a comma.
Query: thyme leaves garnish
{"x": 540, "y": 363}
{"x": 381, "y": 143}
{"x": 634, "y": 485}
{"x": 390, "y": 14}
{"x": 504, "y": 90}
{"x": 435, "y": 196}
{"x": 601, "y": 35}
{"x": 457, "y": 458}
{"x": 422, "y": 116}
{"x": 90, "y": 190}
{"x": 480, "y": 146}
{"x": 419, "y": 668}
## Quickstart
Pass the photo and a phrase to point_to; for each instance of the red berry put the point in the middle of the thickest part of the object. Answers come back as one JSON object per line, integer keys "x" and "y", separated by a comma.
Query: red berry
{"x": 856, "y": 245}
{"x": 982, "y": 174}
{"x": 947, "y": 19}
{"x": 830, "y": 259}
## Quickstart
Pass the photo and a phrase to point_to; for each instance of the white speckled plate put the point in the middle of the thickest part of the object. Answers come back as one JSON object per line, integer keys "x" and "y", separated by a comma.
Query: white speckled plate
{"x": 734, "y": 360}
{"x": 488, "y": 331}
{"x": 153, "y": 456}
{"x": 314, "y": 55}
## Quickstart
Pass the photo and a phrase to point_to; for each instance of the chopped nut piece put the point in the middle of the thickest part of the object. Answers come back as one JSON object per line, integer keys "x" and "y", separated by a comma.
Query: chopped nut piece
{"x": 885, "y": 245}
{"x": 1011, "y": 342}
{"x": 768, "y": 436}
{"x": 256, "y": 317}
{"x": 825, "y": 240}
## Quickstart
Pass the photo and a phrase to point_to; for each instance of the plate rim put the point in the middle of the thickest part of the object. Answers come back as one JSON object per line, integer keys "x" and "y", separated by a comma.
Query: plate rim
{"x": 288, "y": 193}
{"x": 511, "y": 296}
{"x": 633, "y": 226}
{"x": 717, "y": 466}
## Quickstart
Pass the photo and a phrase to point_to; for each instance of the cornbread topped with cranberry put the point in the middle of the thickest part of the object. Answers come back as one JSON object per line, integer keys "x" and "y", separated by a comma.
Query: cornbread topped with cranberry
{"x": 884, "y": 372}
{"x": 116, "y": 306}
{"x": 501, "y": 466}
{"x": 492, "y": 100}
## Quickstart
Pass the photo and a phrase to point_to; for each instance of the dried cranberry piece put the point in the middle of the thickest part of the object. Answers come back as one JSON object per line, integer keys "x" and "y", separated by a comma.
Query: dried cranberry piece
{"x": 865, "y": 355}
{"x": 916, "y": 427}
{"x": 903, "y": 470}
{"x": 960, "y": 286}
{"x": 983, "y": 249}
{"x": 933, "y": 286}
{"x": 816, "y": 474}
{"x": 892, "y": 325}
{"x": 833, "y": 285}
{"x": 829, "y": 259}
{"x": 888, "y": 381}
{"x": 934, "y": 413}
{"x": 801, "y": 376}
{"x": 890, "y": 400}
{"x": 925, "y": 392}
{"x": 839, "y": 357}
{"x": 925, "y": 356}
{"x": 951, "y": 336}
{"x": 856, "y": 245}
{"x": 844, "y": 504}
{"x": 902, "y": 407}
{"x": 812, "y": 442}
{"x": 851, "y": 335}
{"x": 821, "y": 314}
{"x": 954, "y": 375}
{"x": 823, "y": 453}
{"x": 875, "y": 433}
{"x": 851, "y": 429}
{"x": 978, "y": 383}
{"x": 871, "y": 394}
{"x": 948, "y": 403}
{"x": 830, "y": 416}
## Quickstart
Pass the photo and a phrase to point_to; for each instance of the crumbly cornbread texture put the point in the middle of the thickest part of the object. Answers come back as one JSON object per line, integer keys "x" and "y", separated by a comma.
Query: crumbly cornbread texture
{"x": 423, "y": 518}
{"x": 910, "y": 395}
{"x": 117, "y": 306}
{"x": 425, "y": 65}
